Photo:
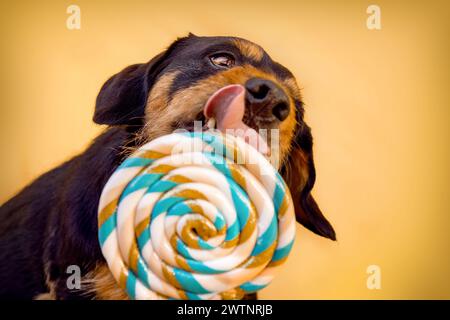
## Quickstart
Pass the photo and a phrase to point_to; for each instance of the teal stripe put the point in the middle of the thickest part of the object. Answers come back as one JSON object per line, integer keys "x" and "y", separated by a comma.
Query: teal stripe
{"x": 241, "y": 203}
{"x": 192, "y": 296}
{"x": 140, "y": 182}
{"x": 182, "y": 249}
{"x": 278, "y": 195}
{"x": 143, "y": 238}
{"x": 131, "y": 285}
{"x": 188, "y": 282}
{"x": 282, "y": 252}
{"x": 135, "y": 162}
{"x": 163, "y": 205}
{"x": 251, "y": 287}
{"x": 233, "y": 231}
{"x": 179, "y": 209}
{"x": 142, "y": 271}
{"x": 107, "y": 227}
{"x": 162, "y": 186}
{"x": 204, "y": 245}
{"x": 219, "y": 221}
{"x": 218, "y": 162}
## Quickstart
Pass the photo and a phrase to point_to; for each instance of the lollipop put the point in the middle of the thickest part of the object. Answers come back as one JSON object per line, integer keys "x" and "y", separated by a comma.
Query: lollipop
{"x": 195, "y": 215}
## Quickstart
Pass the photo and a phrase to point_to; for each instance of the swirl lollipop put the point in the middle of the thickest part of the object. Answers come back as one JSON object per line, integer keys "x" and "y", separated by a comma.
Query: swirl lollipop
{"x": 199, "y": 215}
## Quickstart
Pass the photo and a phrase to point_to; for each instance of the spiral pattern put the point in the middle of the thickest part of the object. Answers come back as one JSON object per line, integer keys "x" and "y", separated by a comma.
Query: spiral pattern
{"x": 183, "y": 219}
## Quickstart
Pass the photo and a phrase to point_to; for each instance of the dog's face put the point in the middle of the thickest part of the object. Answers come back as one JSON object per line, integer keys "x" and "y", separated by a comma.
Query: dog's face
{"x": 197, "y": 74}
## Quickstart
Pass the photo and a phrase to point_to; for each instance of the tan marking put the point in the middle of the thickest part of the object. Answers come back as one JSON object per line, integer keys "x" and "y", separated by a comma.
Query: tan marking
{"x": 162, "y": 114}
{"x": 102, "y": 284}
{"x": 249, "y": 49}
{"x": 158, "y": 119}
{"x": 293, "y": 88}
{"x": 45, "y": 296}
{"x": 51, "y": 294}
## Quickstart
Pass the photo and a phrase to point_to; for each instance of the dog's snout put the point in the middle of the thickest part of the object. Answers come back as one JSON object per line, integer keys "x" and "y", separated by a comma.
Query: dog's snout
{"x": 267, "y": 99}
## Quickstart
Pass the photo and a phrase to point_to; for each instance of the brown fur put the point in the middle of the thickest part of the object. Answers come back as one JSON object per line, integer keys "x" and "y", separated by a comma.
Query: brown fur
{"x": 249, "y": 49}
{"x": 158, "y": 106}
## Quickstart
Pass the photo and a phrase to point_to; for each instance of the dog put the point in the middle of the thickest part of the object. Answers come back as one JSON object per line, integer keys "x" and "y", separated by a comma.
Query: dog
{"x": 52, "y": 223}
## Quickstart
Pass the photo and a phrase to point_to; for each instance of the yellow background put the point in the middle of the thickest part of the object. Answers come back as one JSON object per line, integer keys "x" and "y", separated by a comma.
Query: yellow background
{"x": 377, "y": 101}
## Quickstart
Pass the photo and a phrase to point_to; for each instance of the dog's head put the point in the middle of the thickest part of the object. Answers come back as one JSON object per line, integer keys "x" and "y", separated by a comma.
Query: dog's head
{"x": 200, "y": 75}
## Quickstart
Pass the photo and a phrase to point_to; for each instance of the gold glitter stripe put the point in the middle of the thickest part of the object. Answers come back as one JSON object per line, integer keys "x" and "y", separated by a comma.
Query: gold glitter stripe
{"x": 173, "y": 242}
{"x": 182, "y": 294}
{"x": 107, "y": 212}
{"x": 162, "y": 168}
{"x": 177, "y": 178}
{"x": 260, "y": 259}
{"x": 182, "y": 263}
{"x": 178, "y": 258}
{"x": 277, "y": 263}
{"x": 196, "y": 208}
{"x": 141, "y": 226}
{"x": 249, "y": 227}
{"x": 122, "y": 279}
{"x": 237, "y": 175}
{"x": 283, "y": 208}
{"x": 133, "y": 257}
{"x": 188, "y": 237}
{"x": 149, "y": 154}
{"x": 170, "y": 276}
{"x": 190, "y": 194}
{"x": 230, "y": 243}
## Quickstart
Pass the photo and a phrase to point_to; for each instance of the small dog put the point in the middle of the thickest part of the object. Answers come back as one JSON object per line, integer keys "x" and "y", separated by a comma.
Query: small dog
{"x": 52, "y": 223}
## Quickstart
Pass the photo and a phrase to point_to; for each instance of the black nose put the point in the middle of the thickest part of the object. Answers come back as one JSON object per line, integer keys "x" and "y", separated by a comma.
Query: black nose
{"x": 266, "y": 99}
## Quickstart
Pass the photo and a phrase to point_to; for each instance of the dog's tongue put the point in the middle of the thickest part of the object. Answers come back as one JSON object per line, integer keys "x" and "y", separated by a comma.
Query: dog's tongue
{"x": 227, "y": 106}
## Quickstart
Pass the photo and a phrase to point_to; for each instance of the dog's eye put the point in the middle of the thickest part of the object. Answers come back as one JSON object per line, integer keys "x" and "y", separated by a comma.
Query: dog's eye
{"x": 223, "y": 60}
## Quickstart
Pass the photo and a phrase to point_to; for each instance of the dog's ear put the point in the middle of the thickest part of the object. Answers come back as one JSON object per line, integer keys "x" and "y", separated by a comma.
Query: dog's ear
{"x": 300, "y": 174}
{"x": 122, "y": 99}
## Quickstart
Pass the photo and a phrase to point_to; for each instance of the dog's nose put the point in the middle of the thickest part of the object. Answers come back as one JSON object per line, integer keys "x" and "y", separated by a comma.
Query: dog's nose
{"x": 266, "y": 99}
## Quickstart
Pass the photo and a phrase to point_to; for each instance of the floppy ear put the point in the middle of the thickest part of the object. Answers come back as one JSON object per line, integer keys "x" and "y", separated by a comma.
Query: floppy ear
{"x": 300, "y": 174}
{"x": 122, "y": 99}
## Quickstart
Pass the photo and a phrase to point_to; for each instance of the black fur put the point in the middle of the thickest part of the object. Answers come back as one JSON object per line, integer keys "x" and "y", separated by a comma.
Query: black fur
{"x": 52, "y": 223}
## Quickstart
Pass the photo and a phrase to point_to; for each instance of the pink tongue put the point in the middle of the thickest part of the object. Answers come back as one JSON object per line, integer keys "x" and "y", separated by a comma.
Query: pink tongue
{"x": 227, "y": 106}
